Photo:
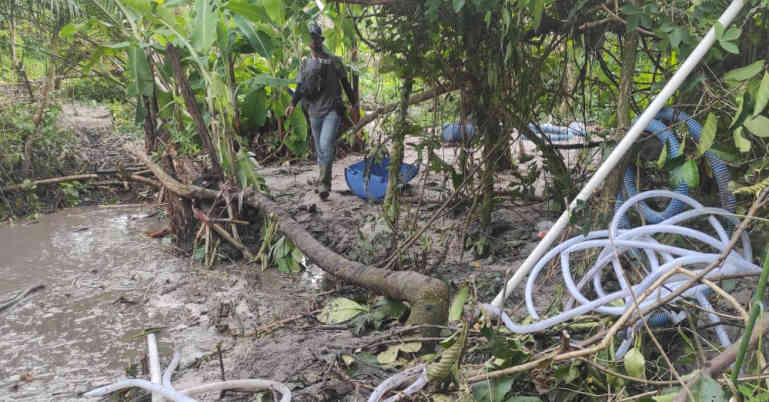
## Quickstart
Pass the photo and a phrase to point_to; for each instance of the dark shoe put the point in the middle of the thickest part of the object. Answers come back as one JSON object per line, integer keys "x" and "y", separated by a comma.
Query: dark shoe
{"x": 323, "y": 194}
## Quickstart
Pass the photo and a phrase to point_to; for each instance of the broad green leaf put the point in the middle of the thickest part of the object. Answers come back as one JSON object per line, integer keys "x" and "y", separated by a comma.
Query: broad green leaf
{"x": 686, "y": 173}
{"x": 708, "y": 389}
{"x": 458, "y": 4}
{"x": 204, "y": 30}
{"x": 724, "y": 155}
{"x": 758, "y": 125}
{"x": 719, "y": 28}
{"x": 676, "y": 37}
{"x": 492, "y": 391}
{"x": 296, "y": 140}
{"x": 665, "y": 398}
{"x": 254, "y": 108}
{"x": 275, "y": 10}
{"x": 708, "y": 134}
{"x": 635, "y": 364}
{"x": 262, "y": 80}
{"x": 745, "y": 73}
{"x": 524, "y": 399}
{"x": 139, "y": 72}
{"x": 340, "y": 310}
{"x": 762, "y": 98}
{"x": 253, "y": 12}
{"x": 742, "y": 143}
{"x": 142, "y": 7}
{"x": 455, "y": 310}
{"x": 729, "y": 47}
{"x": 732, "y": 34}
{"x": 68, "y": 31}
{"x": 260, "y": 41}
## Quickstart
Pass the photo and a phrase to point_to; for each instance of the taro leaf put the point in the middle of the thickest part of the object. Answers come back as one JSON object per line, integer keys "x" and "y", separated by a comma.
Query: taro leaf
{"x": 686, "y": 173}
{"x": 275, "y": 10}
{"x": 762, "y": 98}
{"x": 340, "y": 310}
{"x": 143, "y": 7}
{"x": 707, "y": 389}
{"x": 296, "y": 139}
{"x": 139, "y": 71}
{"x": 261, "y": 80}
{"x": 390, "y": 355}
{"x": 245, "y": 8}
{"x": 455, "y": 310}
{"x": 260, "y": 41}
{"x": 458, "y": 4}
{"x": 254, "y": 108}
{"x": 524, "y": 399}
{"x": 742, "y": 143}
{"x": 492, "y": 391}
{"x": 758, "y": 125}
{"x": 635, "y": 364}
{"x": 708, "y": 134}
{"x": 204, "y": 30}
{"x": 744, "y": 73}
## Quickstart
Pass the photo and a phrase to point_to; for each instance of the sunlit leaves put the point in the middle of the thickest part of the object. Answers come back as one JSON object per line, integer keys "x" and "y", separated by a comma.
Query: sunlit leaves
{"x": 686, "y": 172}
{"x": 745, "y": 73}
{"x": 259, "y": 41}
{"x": 275, "y": 10}
{"x": 742, "y": 143}
{"x": 708, "y": 134}
{"x": 758, "y": 126}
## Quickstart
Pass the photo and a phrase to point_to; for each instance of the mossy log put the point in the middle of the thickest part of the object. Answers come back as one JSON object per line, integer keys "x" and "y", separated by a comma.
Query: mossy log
{"x": 428, "y": 297}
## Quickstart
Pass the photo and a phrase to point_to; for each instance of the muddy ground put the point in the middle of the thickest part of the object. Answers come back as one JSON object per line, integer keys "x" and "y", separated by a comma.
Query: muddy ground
{"x": 233, "y": 320}
{"x": 263, "y": 322}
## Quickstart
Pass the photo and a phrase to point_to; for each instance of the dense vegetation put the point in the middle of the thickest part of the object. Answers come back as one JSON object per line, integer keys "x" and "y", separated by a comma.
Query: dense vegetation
{"x": 205, "y": 84}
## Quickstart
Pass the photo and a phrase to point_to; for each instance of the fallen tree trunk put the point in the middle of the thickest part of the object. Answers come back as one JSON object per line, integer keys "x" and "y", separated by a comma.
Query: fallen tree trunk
{"x": 429, "y": 297}
{"x": 87, "y": 176}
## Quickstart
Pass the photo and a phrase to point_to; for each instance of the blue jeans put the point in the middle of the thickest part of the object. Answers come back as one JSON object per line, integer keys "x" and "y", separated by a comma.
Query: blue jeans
{"x": 324, "y": 132}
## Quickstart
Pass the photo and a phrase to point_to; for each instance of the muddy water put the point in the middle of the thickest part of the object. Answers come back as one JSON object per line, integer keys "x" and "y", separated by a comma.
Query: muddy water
{"x": 80, "y": 330}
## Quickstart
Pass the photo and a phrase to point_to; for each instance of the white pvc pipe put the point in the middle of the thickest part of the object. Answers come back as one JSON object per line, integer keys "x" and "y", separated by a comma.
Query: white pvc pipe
{"x": 154, "y": 360}
{"x": 616, "y": 155}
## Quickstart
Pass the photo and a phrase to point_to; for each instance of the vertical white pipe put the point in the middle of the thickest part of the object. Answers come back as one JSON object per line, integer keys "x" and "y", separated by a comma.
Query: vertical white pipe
{"x": 624, "y": 145}
{"x": 154, "y": 361}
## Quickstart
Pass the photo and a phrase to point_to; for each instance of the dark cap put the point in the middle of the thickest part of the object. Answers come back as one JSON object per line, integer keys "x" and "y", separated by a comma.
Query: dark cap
{"x": 315, "y": 30}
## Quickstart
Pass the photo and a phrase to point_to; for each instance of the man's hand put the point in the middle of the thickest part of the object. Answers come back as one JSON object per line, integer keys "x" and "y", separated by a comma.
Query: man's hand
{"x": 289, "y": 110}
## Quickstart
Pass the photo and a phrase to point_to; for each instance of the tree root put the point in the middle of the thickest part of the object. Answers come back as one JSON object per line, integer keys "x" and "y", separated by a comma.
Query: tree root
{"x": 429, "y": 297}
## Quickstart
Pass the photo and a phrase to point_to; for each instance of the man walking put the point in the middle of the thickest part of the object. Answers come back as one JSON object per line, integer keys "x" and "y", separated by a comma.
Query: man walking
{"x": 318, "y": 85}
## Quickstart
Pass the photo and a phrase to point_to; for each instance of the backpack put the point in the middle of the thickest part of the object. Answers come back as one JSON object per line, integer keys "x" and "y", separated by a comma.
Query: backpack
{"x": 314, "y": 78}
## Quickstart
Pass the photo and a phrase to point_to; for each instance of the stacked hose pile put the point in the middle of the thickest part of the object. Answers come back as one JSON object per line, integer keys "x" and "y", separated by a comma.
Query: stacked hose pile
{"x": 656, "y": 259}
